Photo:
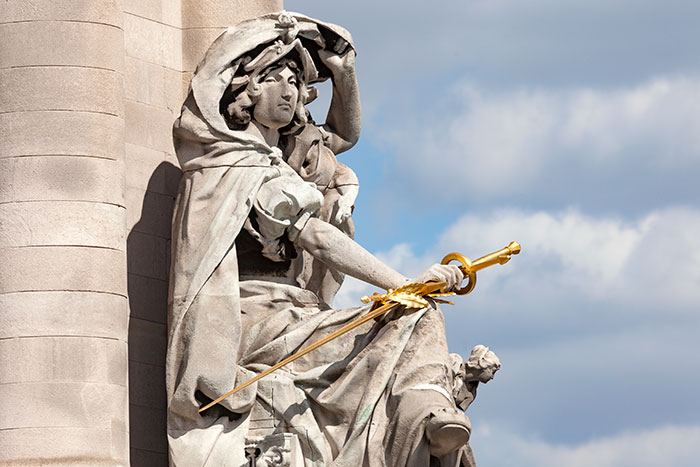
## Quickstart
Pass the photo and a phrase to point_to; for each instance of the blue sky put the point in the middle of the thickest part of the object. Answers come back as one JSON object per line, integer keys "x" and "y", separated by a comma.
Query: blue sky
{"x": 574, "y": 128}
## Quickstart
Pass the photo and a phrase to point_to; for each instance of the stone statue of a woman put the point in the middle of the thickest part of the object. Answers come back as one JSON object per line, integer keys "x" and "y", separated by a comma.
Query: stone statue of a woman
{"x": 261, "y": 238}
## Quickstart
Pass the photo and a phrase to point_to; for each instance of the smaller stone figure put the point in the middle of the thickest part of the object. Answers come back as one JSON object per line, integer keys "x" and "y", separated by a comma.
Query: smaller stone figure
{"x": 479, "y": 368}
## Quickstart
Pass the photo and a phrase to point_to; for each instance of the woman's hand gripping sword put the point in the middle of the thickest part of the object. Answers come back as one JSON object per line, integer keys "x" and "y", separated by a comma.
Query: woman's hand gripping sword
{"x": 411, "y": 296}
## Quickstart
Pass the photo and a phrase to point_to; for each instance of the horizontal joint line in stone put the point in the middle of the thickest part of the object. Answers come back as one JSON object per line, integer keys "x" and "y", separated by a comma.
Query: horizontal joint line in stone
{"x": 152, "y": 20}
{"x": 161, "y": 367}
{"x": 159, "y": 323}
{"x": 62, "y": 201}
{"x": 69, "y": 336}
{"x": 51, "y": 245}
{"x": 156, "y": 64}
{"x": 61, "y": 21}
{"x": 162, "y": 408}
{"x": 147, "y": 276}
{"x": 63, "y": 110}
{"x": 14, "y": 383}
{"x": 151, "y": 106}
{"x": 71, "y": 427}
{"x": 150, "y": 450}
{"x": 90, "y": 67}
{"x": 88, "y": 156}
{"x": 65, "y": 290}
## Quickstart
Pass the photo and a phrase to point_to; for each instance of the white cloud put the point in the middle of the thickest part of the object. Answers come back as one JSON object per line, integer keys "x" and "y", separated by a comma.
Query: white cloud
{"x": 668, "y": 446}
{"x": 652, "y": 261}
{"x": 559, "y": 143}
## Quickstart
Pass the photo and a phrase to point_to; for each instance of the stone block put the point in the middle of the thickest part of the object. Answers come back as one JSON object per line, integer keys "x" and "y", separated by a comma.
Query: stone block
{"x": 149, "y": 126}
{"x": 151, "y": 170}
{"x": 147, "y": 342}
{"x": 62, "y": 268}
{"x": 63, "y": 446}
{"x": 96, "y": 11}
{"x": 63, "y": 359}
{"x": 146, "y": 385}
{"x": 195, "y": 43}
{"x": 148, "y": 429}
{"x": 162, "y": 11}
{"x": 61, "y": 133}
{"x": 62, "y": 43}
{"x": 224, "y": 13}
{"x": 62, "y": 404}
{"x": 146, "y": 255}
{"x": 75, "y": 223}
{"x": 152, "y": 42}
{"x": 153, "y": 85}
{"x": 59, "y": 88}
{"x": 143, "y": 458}
{"x": 148, "y": 298}
{"x": 63, "y": 178}
{"x": 148, "y": 212}
{"x": 64, "y": 314}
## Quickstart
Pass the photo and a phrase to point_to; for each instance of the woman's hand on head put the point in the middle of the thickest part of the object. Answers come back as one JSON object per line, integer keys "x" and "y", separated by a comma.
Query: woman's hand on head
{"x": 442, "y": 273}
{"x": 338, "y": 62}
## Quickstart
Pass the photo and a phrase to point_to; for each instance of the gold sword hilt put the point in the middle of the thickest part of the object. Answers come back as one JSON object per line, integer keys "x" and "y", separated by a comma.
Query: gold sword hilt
{"x": 469, "y": 268}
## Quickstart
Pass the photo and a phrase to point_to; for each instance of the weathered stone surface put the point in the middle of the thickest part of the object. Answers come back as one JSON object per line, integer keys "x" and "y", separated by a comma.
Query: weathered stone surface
{"x": 149, "y": 434}
{"x": 152, "y": 84}
{"x": 97, "y": 11}
{"x": 148, "y": 298}
{"x": 224, "y": 13}
{"x": 148, "y": 458}
{"x": 149, "y": 212}
{"x": 64, "y": 359}
{"x": 75, "y": 223}
{"x": 147, "y": 255}
{"x": 61, "y": 178}
{"x": 62, "y": 268}
{"x": 61, "y": 43}
{"x": 63, "y": 446}
{"x": 162, "y": 11}
{"x": 61, "y": 133}
{"x": 195, "y": 43}
{"x": 146, "y": 385}
{"x": 151, "y": 170}
{"x": 147, "y": 342}
{"x": 149, "y": 126}
{"x": 62, "y": 313}
{"x": 71, "y": 88}
{"x": 152, "y": 42}
{"x": 63, "y": 404}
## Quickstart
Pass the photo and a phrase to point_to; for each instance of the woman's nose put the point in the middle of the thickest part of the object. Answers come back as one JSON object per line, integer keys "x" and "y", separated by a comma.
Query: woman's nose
{"x": 287, "y": 90}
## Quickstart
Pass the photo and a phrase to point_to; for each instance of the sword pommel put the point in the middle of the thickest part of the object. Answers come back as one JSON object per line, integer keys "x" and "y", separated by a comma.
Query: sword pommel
{"x": 469, "y": 268}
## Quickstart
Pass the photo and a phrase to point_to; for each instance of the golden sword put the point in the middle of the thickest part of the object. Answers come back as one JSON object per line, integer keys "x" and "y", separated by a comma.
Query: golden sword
{"x": 411, "y": 296}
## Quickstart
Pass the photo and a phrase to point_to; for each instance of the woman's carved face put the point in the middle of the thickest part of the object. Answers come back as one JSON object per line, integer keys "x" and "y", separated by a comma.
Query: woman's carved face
{"x": 277, "y": 103}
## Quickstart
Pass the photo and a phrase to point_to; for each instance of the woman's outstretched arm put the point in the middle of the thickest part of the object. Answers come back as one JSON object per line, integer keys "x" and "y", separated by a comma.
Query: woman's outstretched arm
{"x": 331, "y": 246}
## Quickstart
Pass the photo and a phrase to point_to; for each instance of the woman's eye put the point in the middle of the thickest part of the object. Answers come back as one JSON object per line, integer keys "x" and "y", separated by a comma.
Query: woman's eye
{"x": 269, "y": 80}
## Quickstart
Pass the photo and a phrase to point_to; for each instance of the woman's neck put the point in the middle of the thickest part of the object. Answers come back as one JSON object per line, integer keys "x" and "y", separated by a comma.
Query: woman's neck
{"x": 271, "y": 136}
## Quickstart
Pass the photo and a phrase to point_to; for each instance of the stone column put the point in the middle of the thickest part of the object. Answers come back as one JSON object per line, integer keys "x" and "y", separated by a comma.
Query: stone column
{"x": 164, "y": 42}
{"x": 63, "y": 307}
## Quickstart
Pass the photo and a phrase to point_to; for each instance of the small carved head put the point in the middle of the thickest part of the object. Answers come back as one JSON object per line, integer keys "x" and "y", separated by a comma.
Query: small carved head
{"x": 481, "y": 365}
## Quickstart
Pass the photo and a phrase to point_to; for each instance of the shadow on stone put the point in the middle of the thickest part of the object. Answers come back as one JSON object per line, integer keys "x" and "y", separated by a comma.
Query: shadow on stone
{"x": 148, "y": 264}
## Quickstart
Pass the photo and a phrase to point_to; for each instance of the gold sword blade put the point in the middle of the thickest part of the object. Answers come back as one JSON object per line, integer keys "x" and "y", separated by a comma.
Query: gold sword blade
{"x": 339, "y": 332}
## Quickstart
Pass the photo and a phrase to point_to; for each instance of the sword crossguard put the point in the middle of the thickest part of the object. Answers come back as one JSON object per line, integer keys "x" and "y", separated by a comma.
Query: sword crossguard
{"x": 469, "y": 268}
